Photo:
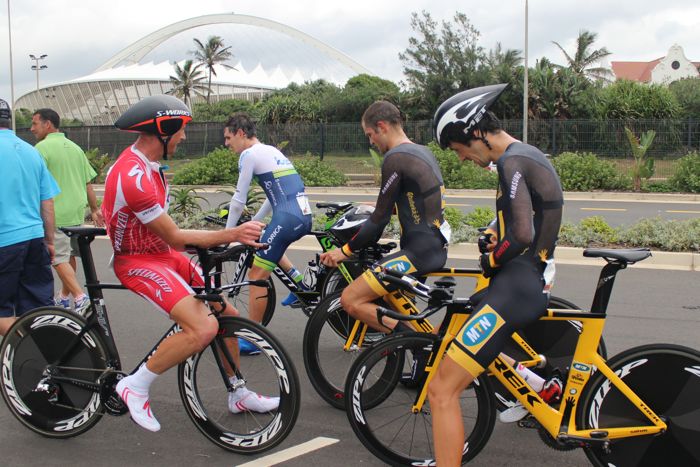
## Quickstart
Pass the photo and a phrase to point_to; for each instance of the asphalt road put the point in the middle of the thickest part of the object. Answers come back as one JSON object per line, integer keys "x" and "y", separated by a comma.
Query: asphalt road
{"x": 647, "y": 306}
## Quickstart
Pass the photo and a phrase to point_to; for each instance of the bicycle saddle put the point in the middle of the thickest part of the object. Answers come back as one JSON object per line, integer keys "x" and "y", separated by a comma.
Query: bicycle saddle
{"x": 83, "y": 231}
{"x": 624, "y": 255}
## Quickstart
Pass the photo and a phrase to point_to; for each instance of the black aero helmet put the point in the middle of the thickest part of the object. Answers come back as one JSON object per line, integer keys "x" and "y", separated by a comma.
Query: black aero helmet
{"x": 159, "y": 115}
{"x": 350, "y": 223}
{"x": 457, "y": 117}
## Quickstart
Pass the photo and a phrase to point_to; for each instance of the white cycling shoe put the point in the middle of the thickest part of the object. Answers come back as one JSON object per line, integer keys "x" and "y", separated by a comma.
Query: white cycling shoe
{"x": 139, "y": 406}
{"x": 245, "y": 400}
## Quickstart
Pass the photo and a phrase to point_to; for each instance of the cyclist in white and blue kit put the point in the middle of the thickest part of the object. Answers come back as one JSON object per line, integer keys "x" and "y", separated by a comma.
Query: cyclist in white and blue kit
{"x": 286, "y": 199}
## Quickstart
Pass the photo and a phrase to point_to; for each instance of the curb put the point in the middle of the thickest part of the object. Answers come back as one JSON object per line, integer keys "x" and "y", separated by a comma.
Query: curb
{"x": 489, "y": 194}
{"x": 564, "y": 255}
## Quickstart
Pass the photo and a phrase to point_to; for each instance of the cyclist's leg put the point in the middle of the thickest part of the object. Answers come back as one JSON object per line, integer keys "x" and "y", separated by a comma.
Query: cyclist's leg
{"x": 514, "y": 299}
{"x": 158, "y": 279}
{"x": 358, "y": 299}
{"x": 258, "y": 295}
{"x": 283, "y": 229}
{"x": 443, "y": 392}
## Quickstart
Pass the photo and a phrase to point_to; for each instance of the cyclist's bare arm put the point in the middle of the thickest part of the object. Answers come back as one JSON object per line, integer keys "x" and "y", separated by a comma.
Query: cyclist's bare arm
{"x": 165, "y": 228}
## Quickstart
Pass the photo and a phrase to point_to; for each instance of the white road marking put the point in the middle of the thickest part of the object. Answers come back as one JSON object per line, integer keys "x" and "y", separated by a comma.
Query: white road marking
{"x": 291, "y": 453}
{"x": 685, "y": 212}
{"x": 602, "y": 209}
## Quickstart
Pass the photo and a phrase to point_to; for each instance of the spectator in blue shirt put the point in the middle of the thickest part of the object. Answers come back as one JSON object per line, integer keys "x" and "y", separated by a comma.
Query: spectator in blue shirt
{"x": 26, "y": 226}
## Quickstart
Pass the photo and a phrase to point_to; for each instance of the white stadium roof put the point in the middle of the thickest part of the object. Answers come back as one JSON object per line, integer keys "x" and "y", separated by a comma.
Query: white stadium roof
{"x": 267, "y": 55}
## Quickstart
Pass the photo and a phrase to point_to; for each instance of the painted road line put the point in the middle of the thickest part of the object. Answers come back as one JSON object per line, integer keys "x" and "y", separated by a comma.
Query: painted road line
{"x": 684, "y": 212}
{"x": 291, "y": 453}
{"x": 602, "y": 209}
{"x": 447, "y": 204}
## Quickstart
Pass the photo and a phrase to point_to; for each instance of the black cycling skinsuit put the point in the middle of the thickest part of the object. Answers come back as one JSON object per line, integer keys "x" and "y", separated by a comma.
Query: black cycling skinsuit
{"x": 411, "y": 181}
{"x": 529, "y": 208}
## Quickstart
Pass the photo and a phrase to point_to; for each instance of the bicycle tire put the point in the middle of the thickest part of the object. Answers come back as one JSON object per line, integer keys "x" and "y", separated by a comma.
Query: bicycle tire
{"x": 240, "y": 296}
{"x": 391, "y": 431}
{"x": 271, "y": 373}
{"x": 325, "y": 361}
{"x": 335, "y": 280}
{"x": 36, "y": 337}
{"x": 556, "y": 340}
{"x": 667, "y": 378}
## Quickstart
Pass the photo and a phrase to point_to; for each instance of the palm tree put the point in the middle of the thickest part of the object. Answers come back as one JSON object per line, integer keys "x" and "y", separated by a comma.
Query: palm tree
{"x": 187, "y": 81}
{"x": 582, "y": 61}
{"x": 210, "y": 54}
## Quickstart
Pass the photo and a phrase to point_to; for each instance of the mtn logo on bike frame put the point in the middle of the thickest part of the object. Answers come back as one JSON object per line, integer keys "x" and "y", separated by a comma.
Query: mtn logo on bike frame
{"x": 480, "y": 328}
{"x": 581, "y": 367}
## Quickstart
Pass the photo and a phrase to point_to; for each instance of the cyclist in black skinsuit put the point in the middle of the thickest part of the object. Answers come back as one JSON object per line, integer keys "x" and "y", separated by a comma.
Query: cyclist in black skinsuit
{"x": 520, "y": 263}
{"x": 411, "y": 181}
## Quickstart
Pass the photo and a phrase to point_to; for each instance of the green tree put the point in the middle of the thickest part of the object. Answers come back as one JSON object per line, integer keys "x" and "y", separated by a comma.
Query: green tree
{"x": 583, "y": 61}
{"x": 210, "y": 54}
{"x": 220, "y": 111}
{"x": 297, "y": 103}
{"x": 559, "y": 93}
{"x": 626, "y": 99}
{"x": 187, "y": 81}
{"x": 441, "y": 60}
{"x": 506, "y": 66}
{"x": 643, "y": 166}
{"x": 687, "y": 92}
{"x": 359, "y": 92}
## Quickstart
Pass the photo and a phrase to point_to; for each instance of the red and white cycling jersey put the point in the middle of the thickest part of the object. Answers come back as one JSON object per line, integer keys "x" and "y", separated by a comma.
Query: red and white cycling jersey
{"x": 136, "y": 193}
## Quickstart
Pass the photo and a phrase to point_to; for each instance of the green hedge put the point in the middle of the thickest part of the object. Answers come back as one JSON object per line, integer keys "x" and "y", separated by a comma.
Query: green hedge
{"x": 315, "y": 172}
{"x": 458, "y": 174}
{"x": 686, "y": 175}
{"x": 219, "y": 167}
{"x": 585, "y": 172}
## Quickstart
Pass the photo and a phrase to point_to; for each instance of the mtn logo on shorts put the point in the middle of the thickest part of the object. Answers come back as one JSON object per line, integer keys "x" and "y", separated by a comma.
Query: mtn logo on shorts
{"x": 400, "y": 264}
{"x": 480, "y": 328}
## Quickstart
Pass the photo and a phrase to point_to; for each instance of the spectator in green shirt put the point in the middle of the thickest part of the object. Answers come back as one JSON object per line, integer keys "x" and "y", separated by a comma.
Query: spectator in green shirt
{"x": 73, "y": 173}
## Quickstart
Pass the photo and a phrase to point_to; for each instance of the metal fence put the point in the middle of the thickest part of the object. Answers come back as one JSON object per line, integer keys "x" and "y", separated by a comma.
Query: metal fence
{"x": 674, "y": 138}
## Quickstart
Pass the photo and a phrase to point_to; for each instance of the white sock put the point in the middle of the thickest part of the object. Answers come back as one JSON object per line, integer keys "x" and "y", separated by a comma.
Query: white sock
{"x": 141, "y": 381}
{"x": 531, "y": 378}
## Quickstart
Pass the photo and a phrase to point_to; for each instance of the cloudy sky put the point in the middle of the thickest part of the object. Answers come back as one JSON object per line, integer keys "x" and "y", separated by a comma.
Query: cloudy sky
{"x": 80, "y": 35}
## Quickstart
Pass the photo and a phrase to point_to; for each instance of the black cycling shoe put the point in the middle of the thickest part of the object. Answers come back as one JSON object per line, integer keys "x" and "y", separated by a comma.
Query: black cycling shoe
{"x": 417, "y": 375}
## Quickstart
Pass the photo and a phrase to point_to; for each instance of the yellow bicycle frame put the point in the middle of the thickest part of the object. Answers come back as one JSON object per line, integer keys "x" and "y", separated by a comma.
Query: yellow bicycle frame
{"x": 561, "y": 421}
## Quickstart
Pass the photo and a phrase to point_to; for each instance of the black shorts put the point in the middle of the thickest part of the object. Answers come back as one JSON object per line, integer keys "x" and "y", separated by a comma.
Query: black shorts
{"x": 26, "y": 280}
{"x": 514, "y": 300}
{"x": 422, "y": 255}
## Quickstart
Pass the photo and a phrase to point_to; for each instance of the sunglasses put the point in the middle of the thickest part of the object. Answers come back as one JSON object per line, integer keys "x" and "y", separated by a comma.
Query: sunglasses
{"x": 169, "y": 125}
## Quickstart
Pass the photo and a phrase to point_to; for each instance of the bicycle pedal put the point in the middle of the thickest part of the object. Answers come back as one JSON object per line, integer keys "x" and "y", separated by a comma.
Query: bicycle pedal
{"x": 528, "y": 422}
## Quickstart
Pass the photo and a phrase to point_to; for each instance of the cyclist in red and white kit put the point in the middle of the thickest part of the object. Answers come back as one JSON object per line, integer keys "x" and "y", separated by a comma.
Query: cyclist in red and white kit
{"x": 146, "y": 245}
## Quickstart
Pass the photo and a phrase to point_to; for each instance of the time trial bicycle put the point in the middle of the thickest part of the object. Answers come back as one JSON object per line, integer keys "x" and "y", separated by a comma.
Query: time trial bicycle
{"x": 60, "y": 369}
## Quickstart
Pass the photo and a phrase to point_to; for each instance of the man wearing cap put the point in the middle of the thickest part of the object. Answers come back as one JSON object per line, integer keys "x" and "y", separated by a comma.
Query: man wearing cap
{"x": 26, "y": 226}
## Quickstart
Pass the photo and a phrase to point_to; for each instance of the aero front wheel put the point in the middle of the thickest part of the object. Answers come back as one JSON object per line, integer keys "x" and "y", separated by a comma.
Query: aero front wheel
{"x": 390, "y": 430}
{"x": 58, "y": 399}
{"x": 326, "y": 361}
{"x": 204, "y": 382}
{"x": 667, "y": 378}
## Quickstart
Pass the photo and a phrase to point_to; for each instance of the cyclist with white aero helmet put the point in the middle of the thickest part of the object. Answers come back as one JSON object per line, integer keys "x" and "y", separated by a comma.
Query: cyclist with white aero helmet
{"x": 520, "y": 261}
{"x": 146, "y": 244}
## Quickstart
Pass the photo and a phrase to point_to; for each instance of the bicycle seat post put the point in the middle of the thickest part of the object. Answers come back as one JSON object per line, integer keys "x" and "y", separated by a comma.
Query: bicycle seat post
{"x": 606, "y": 280}
{"x": 85, "y": 236}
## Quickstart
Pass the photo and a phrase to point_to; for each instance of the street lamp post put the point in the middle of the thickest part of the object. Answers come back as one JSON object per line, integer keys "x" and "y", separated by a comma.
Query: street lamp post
{"x": 525, "y": 84}
{"x": 38, "y": 67}
{"x": 12, "y": 77}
